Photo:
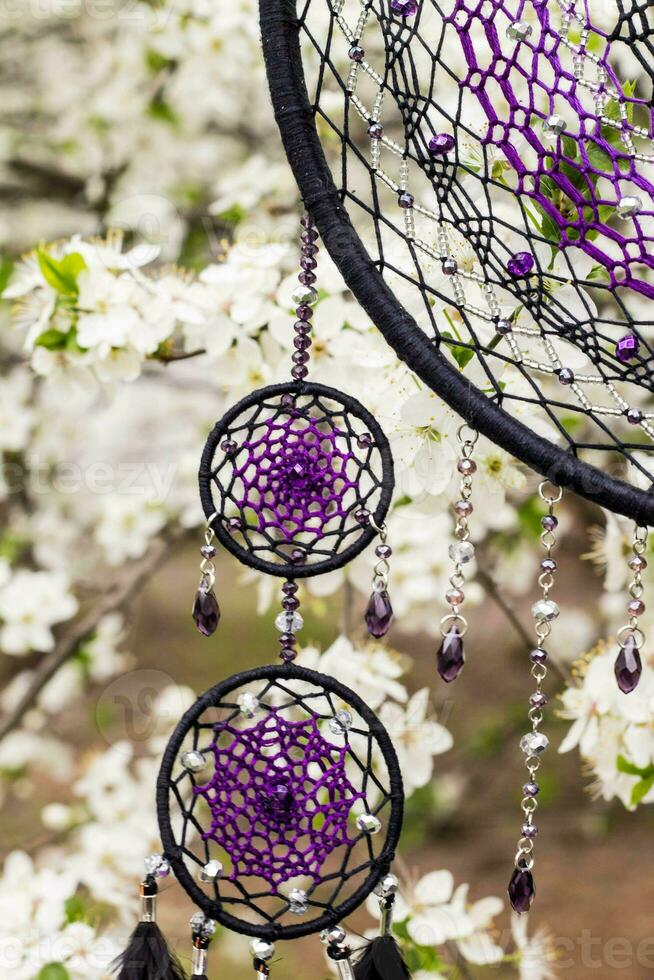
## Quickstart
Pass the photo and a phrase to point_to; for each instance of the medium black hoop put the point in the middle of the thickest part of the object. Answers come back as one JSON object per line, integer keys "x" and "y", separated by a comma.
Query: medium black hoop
{"x": 359, "y": 738}
{"x": 295, "y": 116}
{"x": 295, "y": 479}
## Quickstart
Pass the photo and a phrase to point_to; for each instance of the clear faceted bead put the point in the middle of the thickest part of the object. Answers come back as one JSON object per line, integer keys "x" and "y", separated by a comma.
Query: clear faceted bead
{"x": 341, "y": 722}
{"x": 387, "y": 886}
{"x": 289, "y": 622}
{"x": 248, "y": 704}
{"x": 298, "y": 901}
{"x": 211, "y": 871}
{"x": 305, "y": 296}
{"x": 156, "y": 864}
{"x": 534, "y": 743}
{"x": 261, "y": 949}
{"x": 368, "y": 823}
{"x": 520, "y": 30}
{"x": 554, "y": 126}
{"x": 461, "y": 552}
{"x": 545, "y": 610}
{"x": 193, "y": 761}
{"x": 629, "y": 207}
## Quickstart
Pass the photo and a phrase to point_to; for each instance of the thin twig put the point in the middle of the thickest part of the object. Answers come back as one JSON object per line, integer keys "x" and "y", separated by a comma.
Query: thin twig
{"x": 119, "y": 592}
{"x": 179, "y": 356}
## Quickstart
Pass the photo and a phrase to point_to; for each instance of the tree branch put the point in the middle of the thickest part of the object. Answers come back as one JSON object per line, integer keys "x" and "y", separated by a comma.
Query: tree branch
{"x": 120, "y": 591}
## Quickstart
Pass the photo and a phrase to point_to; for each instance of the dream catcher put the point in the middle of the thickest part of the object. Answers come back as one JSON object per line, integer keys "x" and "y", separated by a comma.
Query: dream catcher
{"x": 279, "y": 797}
{"x": 482, "y": 174}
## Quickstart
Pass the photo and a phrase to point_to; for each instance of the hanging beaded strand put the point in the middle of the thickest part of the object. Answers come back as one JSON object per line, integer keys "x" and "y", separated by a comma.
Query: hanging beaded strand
{"x": 379, "y": 611}
{"x": 628, "y": 665}
{"x": 534, "y": 743}
{"x": 206, "y": 611}
{"x": 451, "y": 657}
{"x": 306, "y": 297}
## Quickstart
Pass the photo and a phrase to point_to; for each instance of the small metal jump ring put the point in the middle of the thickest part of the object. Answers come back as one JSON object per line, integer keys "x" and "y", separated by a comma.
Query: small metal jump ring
{"x": 545, "y": 497}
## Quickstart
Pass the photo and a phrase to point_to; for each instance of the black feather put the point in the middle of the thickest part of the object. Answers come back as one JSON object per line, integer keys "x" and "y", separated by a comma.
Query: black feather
{"x": 148, "y": 957}
{"x": 382, "y": 960}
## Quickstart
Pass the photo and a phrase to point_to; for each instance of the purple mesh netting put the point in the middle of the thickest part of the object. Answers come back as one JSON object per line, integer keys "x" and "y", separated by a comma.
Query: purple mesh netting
{"x": 295, "y": 478}
{"x": 280, "y": 799}
{"x": 497, "y": 160}
{"x": 579, "y": 179}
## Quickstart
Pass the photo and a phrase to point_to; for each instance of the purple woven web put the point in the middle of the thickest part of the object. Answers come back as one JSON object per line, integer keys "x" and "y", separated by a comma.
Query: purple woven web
{"x": 294, "y": 476}
{"x": 296, "y": 480}
{"x": 280, "y": 799}
{"x": 578, "y": 179}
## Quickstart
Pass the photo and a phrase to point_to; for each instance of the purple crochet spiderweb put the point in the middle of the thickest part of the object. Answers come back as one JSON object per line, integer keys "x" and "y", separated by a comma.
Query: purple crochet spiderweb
{"x": 280, "y": 799}
{"x": 497, "y": 160}
{"x": 294, "y": 475}
{"x": 296, "y": 478}
{"x": 576, "y": 179}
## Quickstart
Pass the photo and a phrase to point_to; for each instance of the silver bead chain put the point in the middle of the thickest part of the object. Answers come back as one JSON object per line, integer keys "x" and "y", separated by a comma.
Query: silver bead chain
{"x": 461, "y": 551}
{"x": 534, "y": 743}
{"x": 208, "y": 552}
{"x": 636, "y": 607}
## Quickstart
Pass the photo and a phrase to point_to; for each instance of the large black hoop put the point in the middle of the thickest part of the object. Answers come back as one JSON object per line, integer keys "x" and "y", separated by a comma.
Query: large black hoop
{"x": 343, "y": 547}
{"x": 376, "y": 869}
{"x": 280, "y": 31}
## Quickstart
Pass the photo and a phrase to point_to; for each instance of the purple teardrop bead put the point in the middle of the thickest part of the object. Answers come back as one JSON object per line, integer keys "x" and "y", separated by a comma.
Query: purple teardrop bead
{"x": 628, "y": 666}
{"x": 206, "y": 612}
{"x": 521, "y": 890}
{"x": 379, "y": 613}
{"x": 450, "y": 657}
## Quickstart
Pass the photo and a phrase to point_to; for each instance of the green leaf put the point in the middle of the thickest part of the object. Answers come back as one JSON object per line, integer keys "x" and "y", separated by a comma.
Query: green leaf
{"x": 75, "y": 909}
{"x": 61, "y": 274}
{"x": 641, "y": 789}
{"x": 6, "y": 269}
{"x": 53, "y": 971}
{"x": 462, "y": 355}
{"x": 51, "y": 340}
{"x": 623, "y": 765}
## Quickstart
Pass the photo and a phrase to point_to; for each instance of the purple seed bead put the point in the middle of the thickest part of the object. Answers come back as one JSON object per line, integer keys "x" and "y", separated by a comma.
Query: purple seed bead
{"x": 229, "y": 447}
{"x": 529, "y": 831}
{"x": 627, "y": 348}
{"x": 520, "y": 264}
{"x": 405, "y": 8}
{"x": 636, "y": 607}
{"x": 375, "y": 130}
{"x": 290, "y": 603}
{"x": 302, "y": 342}
{"x": 538, "y": 656}
{"x": 383, "y": 551}
{"x": 287, "y": 639}
{"x": 304, "y": 312}
{"x": 306, "y": 221}
{"x": 634, "y": 417}
{"x": 538, "y": 700}
{"x": 463, "y": 508}
{"x": 548, "y": 565}
{"x": 307, "y": 278}
{"x": 290, "y": 588}
{"x": 234, "y": 523}
{"x": 405, "y": 200}
{"x": 208, "y": 551}
{"x": 362, "y": 517}
{"x": 298, "y": 557}
{"x": 549, "y": 522}
{"x": 566, "y": 376}
{"x": 302, "y": 327}
{"x": 450, "y": 267}
{"x": 504, "y": 326}
{"x": 356, "y": 53}
{"x": 440, "y": 144}
{"x": 637, "y": 563}
{"x": 288, "y": 400}
{"x": 309, "y": 236}
{"x": 310, "y": 250}
{"x": 308, "y": 262}
{"x": 364, "y": 441}
{"x": 300, "y": 357}
{"x": 288, "y": 655}
{"x": 299, "y": 372}
{"x": 531, "y": 789}
{"x": 466, "y": 467}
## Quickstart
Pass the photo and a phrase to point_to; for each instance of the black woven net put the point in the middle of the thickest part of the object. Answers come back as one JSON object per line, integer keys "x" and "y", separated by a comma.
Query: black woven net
{"x": 497, "y": 159}
{"x": 280, "y": 802}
